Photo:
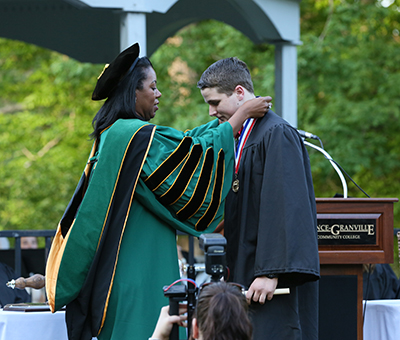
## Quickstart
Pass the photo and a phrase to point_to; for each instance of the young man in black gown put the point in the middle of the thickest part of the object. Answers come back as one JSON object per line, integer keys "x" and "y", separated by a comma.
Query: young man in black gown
{"x": 270, "y": 214}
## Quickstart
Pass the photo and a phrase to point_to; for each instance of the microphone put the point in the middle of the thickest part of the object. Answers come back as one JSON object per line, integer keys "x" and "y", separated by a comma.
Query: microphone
{"x": 305, "y": 134}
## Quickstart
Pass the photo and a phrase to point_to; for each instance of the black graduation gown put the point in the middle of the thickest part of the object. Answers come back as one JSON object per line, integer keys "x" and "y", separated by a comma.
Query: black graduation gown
{"x": 8, "y": 295}
{"x": 382, "y": 283}
{"x": 271, "y": 228}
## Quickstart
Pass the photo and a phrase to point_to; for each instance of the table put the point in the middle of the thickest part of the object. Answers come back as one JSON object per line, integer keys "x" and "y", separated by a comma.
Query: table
{"x": 32, "y": 325}
{"x": 382, "y": 320}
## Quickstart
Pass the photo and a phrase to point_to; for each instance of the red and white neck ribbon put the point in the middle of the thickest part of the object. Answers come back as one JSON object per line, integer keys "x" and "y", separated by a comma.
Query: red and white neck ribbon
{"x": 244, "y": 135}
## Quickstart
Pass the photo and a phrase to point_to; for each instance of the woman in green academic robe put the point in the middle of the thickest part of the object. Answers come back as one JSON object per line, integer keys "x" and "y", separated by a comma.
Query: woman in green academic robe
{"x": 115, "y": 246}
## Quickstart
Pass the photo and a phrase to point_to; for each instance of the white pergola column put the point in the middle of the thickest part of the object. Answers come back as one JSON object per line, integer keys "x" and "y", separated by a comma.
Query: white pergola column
{"x": 133, "y": 29}
{"x": 285, "y": 103}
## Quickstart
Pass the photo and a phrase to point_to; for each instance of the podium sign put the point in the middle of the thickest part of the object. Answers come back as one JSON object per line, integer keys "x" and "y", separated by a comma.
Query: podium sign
{"x": 355, "y": 230}
{"x": 351, "y": 232}
{"x": 346, "y": 229}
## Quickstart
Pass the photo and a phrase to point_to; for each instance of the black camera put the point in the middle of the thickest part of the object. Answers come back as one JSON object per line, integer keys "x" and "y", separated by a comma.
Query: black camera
{"x": 214, "y": 247}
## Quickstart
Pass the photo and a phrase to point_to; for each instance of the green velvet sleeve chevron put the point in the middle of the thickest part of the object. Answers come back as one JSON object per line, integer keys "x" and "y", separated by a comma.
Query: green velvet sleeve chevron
{"x": 190, "y": 174}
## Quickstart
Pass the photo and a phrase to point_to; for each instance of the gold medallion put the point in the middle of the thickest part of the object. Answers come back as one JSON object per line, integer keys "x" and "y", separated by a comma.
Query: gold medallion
{"x": 235, "y": 185}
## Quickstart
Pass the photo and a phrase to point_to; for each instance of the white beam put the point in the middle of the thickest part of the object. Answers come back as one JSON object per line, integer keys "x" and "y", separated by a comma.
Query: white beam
{"x": 161, "y": 6}
{"x": 286, "y": 82}
{"x": 133, "y": 29}
{"x": 285, "y": 16}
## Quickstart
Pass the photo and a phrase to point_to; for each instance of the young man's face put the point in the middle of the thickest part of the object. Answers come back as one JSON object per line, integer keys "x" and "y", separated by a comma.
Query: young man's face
{"x": 220, "y": 105}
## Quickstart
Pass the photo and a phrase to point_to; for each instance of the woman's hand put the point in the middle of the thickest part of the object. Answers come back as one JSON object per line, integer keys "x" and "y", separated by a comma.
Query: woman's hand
{"x": 165, "y": 322}
{"x": 257, "y": 107}
{"x": 253, "y": 108}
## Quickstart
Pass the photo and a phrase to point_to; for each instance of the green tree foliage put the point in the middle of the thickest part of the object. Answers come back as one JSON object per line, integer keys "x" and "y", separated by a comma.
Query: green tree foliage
{"x": 348, "y": 95}
{"x": 44, "y": 125}
{"x": 348, "y": 81}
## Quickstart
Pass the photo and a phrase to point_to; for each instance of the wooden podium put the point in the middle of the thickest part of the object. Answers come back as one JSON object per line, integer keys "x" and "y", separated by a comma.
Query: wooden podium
{"x": 351, "y": 232}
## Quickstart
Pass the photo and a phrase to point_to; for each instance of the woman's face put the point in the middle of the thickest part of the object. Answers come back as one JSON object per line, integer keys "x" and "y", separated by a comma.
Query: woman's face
{"x": 147, "y": 97}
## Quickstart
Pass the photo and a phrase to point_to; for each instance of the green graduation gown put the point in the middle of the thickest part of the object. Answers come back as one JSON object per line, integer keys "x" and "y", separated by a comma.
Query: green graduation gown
{"x": 115, "y": 247}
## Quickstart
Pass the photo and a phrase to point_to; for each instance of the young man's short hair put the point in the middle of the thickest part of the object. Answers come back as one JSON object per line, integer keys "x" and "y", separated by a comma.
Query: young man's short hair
{"x": 225, "y": 75}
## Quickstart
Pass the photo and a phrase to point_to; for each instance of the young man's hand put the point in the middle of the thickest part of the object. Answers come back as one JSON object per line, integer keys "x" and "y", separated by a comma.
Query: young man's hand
{"x": 261, "y": 289}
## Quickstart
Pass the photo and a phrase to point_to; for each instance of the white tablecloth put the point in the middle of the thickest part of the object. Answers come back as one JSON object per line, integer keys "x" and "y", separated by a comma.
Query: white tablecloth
{"x": 32, "y": 326}
{"x": 382, "y": 320}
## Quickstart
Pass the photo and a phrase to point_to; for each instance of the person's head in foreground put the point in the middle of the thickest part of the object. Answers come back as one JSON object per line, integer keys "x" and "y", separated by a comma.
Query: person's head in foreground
{"x": 221, "y": 313}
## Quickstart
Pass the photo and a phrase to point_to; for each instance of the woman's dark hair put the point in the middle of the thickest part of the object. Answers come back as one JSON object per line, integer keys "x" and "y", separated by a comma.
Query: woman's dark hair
{"x": 121, "y": 102}
{"x": 221, "y": 313}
